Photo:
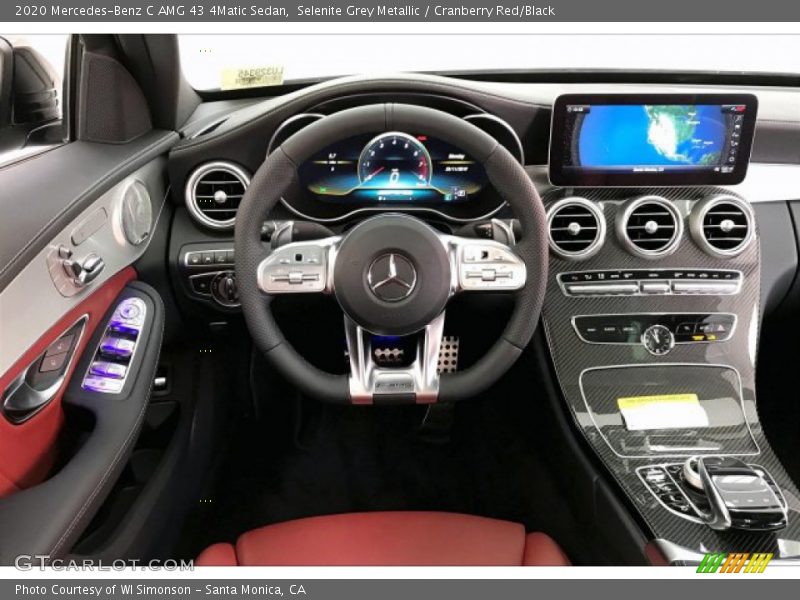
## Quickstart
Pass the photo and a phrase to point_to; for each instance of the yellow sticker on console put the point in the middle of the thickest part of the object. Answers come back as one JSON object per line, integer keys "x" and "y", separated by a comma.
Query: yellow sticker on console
{"x": 639, "y": 401}
{"x": 246, "y": 77}
{"x": 664, "y": 411}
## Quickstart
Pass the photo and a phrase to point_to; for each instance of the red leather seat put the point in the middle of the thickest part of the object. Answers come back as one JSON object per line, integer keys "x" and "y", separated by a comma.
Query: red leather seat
{"x": 388, "y": 538}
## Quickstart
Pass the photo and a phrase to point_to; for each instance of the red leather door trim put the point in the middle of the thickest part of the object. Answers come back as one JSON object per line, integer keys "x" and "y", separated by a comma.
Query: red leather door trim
{"x": 27, "y": 450}
{"x": 6, "y": 486}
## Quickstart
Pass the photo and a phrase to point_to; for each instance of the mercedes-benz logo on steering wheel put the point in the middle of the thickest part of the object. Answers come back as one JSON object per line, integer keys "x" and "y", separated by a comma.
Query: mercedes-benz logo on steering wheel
{"x": 392, "y": 277}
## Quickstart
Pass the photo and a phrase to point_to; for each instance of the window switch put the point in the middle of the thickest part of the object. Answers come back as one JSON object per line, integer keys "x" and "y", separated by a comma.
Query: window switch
{"x": 117, "y": 347}
{"x": 101, "y": 368}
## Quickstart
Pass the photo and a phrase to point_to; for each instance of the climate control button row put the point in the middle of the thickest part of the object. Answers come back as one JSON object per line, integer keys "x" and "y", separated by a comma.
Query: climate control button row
{"x": 650, "y": 282}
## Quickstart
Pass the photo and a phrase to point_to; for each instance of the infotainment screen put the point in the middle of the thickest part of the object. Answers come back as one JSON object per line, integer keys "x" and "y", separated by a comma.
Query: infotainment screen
{"x": 651, "y": 139}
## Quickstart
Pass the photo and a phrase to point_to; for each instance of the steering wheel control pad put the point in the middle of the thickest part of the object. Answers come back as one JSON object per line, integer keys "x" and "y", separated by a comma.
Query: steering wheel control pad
{"x": 392, "y": 275}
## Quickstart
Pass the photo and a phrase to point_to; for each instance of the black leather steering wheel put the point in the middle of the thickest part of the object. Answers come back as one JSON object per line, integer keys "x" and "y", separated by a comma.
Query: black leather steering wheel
{"x": 392, "y": 273}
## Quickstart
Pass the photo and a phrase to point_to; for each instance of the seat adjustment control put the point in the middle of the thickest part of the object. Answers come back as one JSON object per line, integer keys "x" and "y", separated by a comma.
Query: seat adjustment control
{"x": 83, "y": 272}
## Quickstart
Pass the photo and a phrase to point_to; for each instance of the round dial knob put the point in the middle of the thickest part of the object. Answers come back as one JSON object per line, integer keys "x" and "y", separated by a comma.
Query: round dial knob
{"x": 690, "y": 473}
{"x": 658, "y": 340}
{"x": 224, "y": 289}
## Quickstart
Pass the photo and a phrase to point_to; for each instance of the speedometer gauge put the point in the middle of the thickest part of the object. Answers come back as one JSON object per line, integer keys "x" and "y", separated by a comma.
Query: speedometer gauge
{"x": 394, "y": 161}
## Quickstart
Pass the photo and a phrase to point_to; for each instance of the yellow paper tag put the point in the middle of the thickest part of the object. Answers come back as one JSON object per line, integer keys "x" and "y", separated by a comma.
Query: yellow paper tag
{"x": 641, "y": 401}
{"x": 247, "y": 77}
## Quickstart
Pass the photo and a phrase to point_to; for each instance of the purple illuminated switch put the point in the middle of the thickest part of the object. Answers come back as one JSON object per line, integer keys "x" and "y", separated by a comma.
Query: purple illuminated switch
{"x": 120, "y": 327}
{"x": 102, "y": 368}
{"x": 116, "y": 347}
{"x": 100, "y": 384}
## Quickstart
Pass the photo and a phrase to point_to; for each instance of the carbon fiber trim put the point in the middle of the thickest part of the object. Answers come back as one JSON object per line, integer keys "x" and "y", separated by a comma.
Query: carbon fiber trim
{"x": 572, "y": 357}
{"x": 719, "y": 393}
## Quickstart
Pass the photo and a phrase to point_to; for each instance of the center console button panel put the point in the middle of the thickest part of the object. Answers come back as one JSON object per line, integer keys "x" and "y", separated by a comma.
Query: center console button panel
{"x": 669, "y": 486}
{"x": 646, "y": 282}
{"x": 686, "y": 328}
{"x": 109, "y": 368}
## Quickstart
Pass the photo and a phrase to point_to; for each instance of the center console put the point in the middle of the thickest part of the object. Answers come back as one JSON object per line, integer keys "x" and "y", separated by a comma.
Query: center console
{"x": 652, "y": 320}
{"x": 652, "y": 316}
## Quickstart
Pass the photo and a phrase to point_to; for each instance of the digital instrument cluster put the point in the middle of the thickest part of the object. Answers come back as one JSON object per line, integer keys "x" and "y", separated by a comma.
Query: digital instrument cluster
{"x": 394, "y": 168}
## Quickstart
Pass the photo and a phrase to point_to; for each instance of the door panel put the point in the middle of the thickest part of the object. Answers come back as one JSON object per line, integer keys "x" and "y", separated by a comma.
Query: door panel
{"x": 48, "y": 518}
{"x": 32, "y": 302}
{"x": 73, "y": 221}
{"x": 27, "y": 450}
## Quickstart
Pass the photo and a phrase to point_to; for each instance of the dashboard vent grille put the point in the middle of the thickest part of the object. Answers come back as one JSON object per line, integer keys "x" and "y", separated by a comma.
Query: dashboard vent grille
{"x": 726, "y": 226}
{"x": 576, "y": 228}
{"x": 722, "y": 226}
{"x": 214, "y": 192}
{"x": 652, "y": 226}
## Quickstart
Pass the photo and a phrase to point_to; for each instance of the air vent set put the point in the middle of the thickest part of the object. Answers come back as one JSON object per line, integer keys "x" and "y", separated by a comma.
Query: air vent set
{"x": 722, "y": 226}
{"x": 650, "y": 226}
{"x": 577, "y": 228}
{"x": 213, "y": 194}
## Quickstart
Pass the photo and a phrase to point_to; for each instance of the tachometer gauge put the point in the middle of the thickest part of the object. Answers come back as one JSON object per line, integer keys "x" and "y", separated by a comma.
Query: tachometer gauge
{"x": 394, "y": 161}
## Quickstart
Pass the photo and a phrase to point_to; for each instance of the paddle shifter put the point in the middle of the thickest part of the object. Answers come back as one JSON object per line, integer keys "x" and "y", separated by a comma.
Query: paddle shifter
{"x": 739, "y": 496}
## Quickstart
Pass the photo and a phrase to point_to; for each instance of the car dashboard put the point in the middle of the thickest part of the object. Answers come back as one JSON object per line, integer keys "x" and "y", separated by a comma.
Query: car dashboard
{"x": 657, "y": 280}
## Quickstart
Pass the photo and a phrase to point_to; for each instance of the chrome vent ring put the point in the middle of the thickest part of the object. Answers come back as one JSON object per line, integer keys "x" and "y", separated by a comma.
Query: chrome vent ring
{"x": 576, "y": 228}
{"x": 723, "y": 226}
{"x": 213, "y": 193}
{"x": 650, "y": 226}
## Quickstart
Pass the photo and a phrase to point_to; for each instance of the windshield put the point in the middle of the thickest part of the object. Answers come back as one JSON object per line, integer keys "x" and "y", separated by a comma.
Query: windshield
{"x": 226, "y": 61}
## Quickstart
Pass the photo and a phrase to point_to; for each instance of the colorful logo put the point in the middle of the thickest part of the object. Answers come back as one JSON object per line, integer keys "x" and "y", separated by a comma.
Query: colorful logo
{"x": 737, "y": 562}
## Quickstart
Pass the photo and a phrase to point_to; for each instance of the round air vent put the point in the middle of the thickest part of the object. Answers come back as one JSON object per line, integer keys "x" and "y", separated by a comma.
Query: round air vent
{"x": 213, "y": 193}
{"x": 650, "y": 226}
{"x": 722, "y": 225}
{"x": 576, "y": 227}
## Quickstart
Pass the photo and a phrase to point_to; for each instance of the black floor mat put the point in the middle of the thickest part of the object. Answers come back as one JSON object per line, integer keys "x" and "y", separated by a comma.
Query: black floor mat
{"x": 346, "y": 459}
{"x": 778, "y": 407}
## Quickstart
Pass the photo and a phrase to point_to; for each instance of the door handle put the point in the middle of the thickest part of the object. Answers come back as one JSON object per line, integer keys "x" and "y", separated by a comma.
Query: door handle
{"x": 40, "y": 381}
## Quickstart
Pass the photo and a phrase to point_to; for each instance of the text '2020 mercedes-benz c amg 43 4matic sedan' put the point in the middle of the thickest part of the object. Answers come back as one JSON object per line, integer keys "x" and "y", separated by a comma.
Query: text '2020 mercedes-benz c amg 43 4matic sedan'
{"x": 446, "y": 318}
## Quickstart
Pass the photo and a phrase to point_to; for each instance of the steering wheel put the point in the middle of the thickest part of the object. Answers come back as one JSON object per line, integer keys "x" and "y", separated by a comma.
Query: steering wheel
{"x": 392, "y": 274}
